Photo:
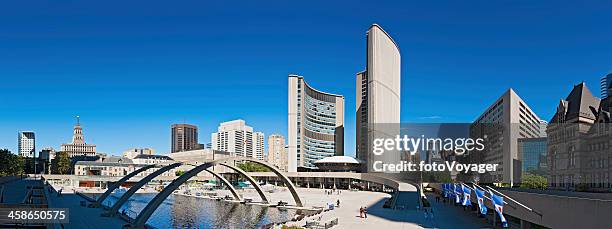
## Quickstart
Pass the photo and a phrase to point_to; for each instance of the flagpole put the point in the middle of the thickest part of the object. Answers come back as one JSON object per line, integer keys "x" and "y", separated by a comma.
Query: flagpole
{"x": 522, "y": 205}
{"x": 480, "y": 188}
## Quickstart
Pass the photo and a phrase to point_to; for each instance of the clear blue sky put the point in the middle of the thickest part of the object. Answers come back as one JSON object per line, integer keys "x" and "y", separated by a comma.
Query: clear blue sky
{"x": 132, "y": 68}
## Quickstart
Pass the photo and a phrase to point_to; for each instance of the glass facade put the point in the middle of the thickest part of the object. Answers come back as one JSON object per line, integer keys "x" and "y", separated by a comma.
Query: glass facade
{"x": 317, "y": 129}
{"x": 533, "y": 154}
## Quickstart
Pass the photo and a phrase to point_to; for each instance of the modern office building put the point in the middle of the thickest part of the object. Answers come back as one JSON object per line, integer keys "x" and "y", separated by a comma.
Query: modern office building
{"x": 184, "y": 138}
{"x": 47, "y": 154}
{"x": 26, "y": 143}
{"x": 532, "y": 155}
{"x": 238, "y": 138}
{"x": 258, "y": 145}
{"x": 78, "y": 147}
{"x": 132, "y": 153}
{"x": 378, "y": 93}
{"x": 606, "y": 82}
{"x": 501, "y": 125}
{"x": 316, "y": 124}
{"x": 277, "y": 154}
{"x": 580, "y": 142}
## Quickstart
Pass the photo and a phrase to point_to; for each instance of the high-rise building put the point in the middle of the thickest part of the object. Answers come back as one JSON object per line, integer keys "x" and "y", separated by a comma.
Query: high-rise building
{"x": 78, "y": 147}
{"x": 316, "y": 124}
{"x": 26, "y": 142}
{"x": 378, "y": 93}
{"x": 184, "y": 138}
{"x": 277, "y": 154}
{"x": 238, "y": 138}
{"x": 501, "y": 125}
{"x": 606, "y": 82}
{"x": 258, "y": 145}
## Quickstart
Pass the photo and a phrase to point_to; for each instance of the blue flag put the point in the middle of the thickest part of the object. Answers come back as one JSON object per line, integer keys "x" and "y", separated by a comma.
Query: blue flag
{"x": 445, "y": 190}
{"x": 467, "y": 201}
{"x": 458, "y": 192}
{"x": 498, "y": 202}
{"x": 480, "y": 196}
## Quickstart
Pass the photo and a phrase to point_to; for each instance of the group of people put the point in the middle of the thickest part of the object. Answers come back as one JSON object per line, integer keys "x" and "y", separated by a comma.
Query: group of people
{"x": 363, "y": 212}
{"x": 333, "y": 191}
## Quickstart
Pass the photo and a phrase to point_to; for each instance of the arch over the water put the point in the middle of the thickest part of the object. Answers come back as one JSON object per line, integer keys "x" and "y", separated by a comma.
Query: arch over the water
{"x": 126, "y": 196}
{"x": 251, "y": 180}
{"x": 285, "y": 179}
{"x": 148, "y": 210}
{"x": 227, "y": 183}
{"x": 117, "y": 184}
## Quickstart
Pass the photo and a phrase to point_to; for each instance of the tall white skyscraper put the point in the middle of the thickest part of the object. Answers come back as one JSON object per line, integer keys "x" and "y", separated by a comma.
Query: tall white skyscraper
{"x": 258, "y": 145}
{"x": 316, "y": 124}
{"x": 26, "y": 142}
{"x": 378, "y": 94}
{"x": 236, "y": 137}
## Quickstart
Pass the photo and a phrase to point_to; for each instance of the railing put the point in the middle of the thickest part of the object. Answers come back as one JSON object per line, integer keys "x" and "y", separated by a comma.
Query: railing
{"x": 319, "y": 225}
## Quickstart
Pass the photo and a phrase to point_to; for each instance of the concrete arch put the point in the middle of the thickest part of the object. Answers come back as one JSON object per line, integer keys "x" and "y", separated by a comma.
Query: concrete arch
{"x": 285, "y": 179}
{"x": 117, "y": 184}
{"x": 148, "y": 210}
{"x": 227, "y": 183}
{"x": 252, "y": 180}
{"x": 126, "y": 196}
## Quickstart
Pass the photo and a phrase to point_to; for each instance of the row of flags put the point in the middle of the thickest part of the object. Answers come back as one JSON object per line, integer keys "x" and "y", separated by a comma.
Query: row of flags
{"x": 462, "y": 195}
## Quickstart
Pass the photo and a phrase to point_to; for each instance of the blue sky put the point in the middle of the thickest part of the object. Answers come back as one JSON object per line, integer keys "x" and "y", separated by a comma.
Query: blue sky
{"x": 132, "y": 68}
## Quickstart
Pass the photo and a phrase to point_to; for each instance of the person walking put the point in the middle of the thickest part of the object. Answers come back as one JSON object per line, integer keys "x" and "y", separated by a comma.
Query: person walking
{"x": 365, "y": 212}
{"x": 338, "y": 203}
{"x": 360, "y": 212}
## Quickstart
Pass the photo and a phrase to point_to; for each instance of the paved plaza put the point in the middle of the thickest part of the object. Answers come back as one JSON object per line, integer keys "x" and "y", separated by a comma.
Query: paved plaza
{"x": 446, "y": 216}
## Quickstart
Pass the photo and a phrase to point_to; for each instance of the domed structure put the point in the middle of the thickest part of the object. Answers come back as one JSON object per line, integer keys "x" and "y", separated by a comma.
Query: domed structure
{"x": 338, "y": 164}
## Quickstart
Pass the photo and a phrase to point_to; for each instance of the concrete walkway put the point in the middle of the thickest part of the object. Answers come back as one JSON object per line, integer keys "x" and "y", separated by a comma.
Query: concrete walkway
{"x": 82, "y": 217}
{"x": 446, "y": 216}
{"x": 15, "y": 191}
{"x": 450, "y": 216}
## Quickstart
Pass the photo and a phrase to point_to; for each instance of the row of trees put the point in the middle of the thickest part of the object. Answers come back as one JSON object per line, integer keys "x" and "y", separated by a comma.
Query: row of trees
{"x": 253, "y": 167}
{"x": 15, "y": 165}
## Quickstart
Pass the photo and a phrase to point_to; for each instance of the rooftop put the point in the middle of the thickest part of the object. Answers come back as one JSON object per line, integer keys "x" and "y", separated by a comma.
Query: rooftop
{"x": 339, "y": 159}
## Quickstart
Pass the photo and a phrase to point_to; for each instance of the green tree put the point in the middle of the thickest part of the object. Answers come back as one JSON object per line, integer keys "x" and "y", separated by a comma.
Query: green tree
{"x": 253, "y": 167}
{"x": 531, "y": 181}
{"x": 62, "y": 163}
{"x": 179, "y": 173}
{"x": 10, "y": 164}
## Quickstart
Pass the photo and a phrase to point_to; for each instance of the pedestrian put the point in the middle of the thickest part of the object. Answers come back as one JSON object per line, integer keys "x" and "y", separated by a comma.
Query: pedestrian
{"x": 338, "y": 203}
{"x": 365, "y": 212}
{"x": 360, "y": 212}
{"x": 425, "y": 214}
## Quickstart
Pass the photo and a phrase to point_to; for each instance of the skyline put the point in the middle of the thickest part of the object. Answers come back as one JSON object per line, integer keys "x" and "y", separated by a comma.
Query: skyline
{"x": 129, "y": 81}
